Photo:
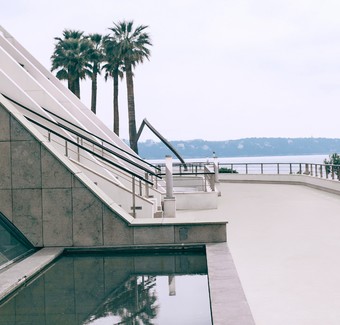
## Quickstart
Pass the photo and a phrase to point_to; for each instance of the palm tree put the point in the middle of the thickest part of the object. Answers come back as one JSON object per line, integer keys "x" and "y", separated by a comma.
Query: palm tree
{"x": 95, "y": 57}
{"x": 113, "y": 68}
{"x": 132, "y": 48}
{"x": 70, "y": 56}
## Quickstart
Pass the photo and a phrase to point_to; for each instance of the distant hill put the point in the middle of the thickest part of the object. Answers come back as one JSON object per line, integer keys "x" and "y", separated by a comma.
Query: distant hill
{"x": 246, "y": 147}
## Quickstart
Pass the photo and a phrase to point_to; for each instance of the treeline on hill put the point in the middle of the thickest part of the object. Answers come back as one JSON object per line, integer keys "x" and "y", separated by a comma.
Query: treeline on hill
{"x": 241, "y": 148}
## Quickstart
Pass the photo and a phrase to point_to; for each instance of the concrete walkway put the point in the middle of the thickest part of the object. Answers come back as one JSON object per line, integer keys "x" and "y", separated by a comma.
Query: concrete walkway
{"x": 18, "y": 274}
{"x": 285, "y": 242}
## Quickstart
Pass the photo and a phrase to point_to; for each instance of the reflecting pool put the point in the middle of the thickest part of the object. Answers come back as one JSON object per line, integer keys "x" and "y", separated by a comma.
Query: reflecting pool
{"x": 115, "y": 289}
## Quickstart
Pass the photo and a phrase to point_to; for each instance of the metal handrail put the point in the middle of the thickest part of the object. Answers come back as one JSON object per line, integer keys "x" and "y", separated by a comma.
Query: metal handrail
{"x": 86, "y": 138}
{"x": 99, "y": 138}
{"x": 312, "y": 169}
{"x": 67, "y": 140}
{"x": 194, "y": 169}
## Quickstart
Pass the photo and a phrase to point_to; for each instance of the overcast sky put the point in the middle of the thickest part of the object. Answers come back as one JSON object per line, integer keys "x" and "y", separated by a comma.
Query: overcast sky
{"x": 219, "y": 69}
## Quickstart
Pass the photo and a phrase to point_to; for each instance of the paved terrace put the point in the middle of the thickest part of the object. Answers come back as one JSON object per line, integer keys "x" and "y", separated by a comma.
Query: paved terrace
{"x": 285, "y": 243}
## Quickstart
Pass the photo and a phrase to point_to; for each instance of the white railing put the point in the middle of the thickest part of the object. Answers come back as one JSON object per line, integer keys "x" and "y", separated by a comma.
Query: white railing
{"x": 325, "y": 171}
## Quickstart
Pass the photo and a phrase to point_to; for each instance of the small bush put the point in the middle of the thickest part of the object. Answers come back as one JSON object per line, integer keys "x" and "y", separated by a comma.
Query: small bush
{"x": 224, "y": 170}
{"x": 334, "y": 159}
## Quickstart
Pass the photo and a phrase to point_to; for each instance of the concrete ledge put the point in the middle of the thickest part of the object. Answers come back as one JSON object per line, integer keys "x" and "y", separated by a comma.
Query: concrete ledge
{"x": 332, "y": 186}
{"x": 228, "y": 302}
{"x": 180, "y": 234}
{"x": 196, "y": 200}
{"x": 18, "y": 274}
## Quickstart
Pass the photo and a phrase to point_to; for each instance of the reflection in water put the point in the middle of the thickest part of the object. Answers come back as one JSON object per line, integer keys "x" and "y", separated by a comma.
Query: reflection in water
{"x": 133, "y": 302}
{"x": 106, "y": 289}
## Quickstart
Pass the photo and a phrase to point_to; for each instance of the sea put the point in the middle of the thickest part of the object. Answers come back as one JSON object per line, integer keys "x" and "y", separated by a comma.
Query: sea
{"x": 303, "y": 159}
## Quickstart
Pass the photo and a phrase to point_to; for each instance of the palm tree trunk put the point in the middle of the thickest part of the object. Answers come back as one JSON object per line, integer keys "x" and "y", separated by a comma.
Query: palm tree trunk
{"x": 77, "y": 87}
{"x": 131, "y": 107}
{"x": 94, "y": 93}
{"x": 115, "y": 103}
{"x": 69, "y": 82}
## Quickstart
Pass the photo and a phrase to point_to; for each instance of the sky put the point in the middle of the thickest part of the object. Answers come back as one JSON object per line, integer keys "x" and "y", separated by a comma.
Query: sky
{"x": 219, "y": 69}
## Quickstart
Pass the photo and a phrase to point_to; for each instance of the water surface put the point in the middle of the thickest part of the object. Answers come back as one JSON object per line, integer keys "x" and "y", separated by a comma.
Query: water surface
{"x": 108, "y": 289}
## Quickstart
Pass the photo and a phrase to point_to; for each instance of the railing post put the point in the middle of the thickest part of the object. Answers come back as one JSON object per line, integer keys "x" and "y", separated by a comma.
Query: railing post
{"x": 216, "y": 170}
{"x": 278, "y": 168}
{"x": 78, "y": 149}
{"x": 316, "y": 170}
{"x": 140, "y": 188}
{"x": 321, "y": 175}
{"x": 261, "y": 168}
{"x": 133, "y": 197}
{"x": 290, "y": 169}
{"x": 246, "y": 169}
{"x": 49, "y": 136}
{"x": 147, "y": 193}
{"x": 66, "y": 149}
{"x": 306, "y": 169}
{"x": 169, "y": 200}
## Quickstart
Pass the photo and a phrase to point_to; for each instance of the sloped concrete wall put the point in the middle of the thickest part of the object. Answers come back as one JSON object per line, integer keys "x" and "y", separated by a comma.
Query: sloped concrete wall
{"x": 45, "y": 200}
{"x": 54, "y": 205}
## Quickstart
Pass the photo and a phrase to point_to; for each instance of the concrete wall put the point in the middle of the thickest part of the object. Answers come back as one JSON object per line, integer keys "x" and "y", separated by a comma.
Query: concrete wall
{"x": 54, "y": 204}
{"x": 196, "y": 200}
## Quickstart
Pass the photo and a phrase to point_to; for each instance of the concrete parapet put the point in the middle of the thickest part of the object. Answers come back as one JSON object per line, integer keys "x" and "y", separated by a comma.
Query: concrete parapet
{"x": 332, "y": 186}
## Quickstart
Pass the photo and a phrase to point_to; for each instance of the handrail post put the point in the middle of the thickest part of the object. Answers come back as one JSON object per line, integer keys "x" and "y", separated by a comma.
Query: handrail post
{"x": 133, "y": 197}
{"x": 216, "y": 171}
{"x": 278, "y": 168}
{"x": 140, "y": 188}
{"x": 49, "y": 136}
{"x": 78, "y": 149}
{"x": 306, "y": 169}
{"x": 321, "y": 175}
{"x": 246, "y": 169}
{"x": 147, "y": 193}
{"x": 290, "y": 169}
{"x": 261, "y": 168}
{"x": 169, "y": 200}
{"x": 66, "y": 149}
